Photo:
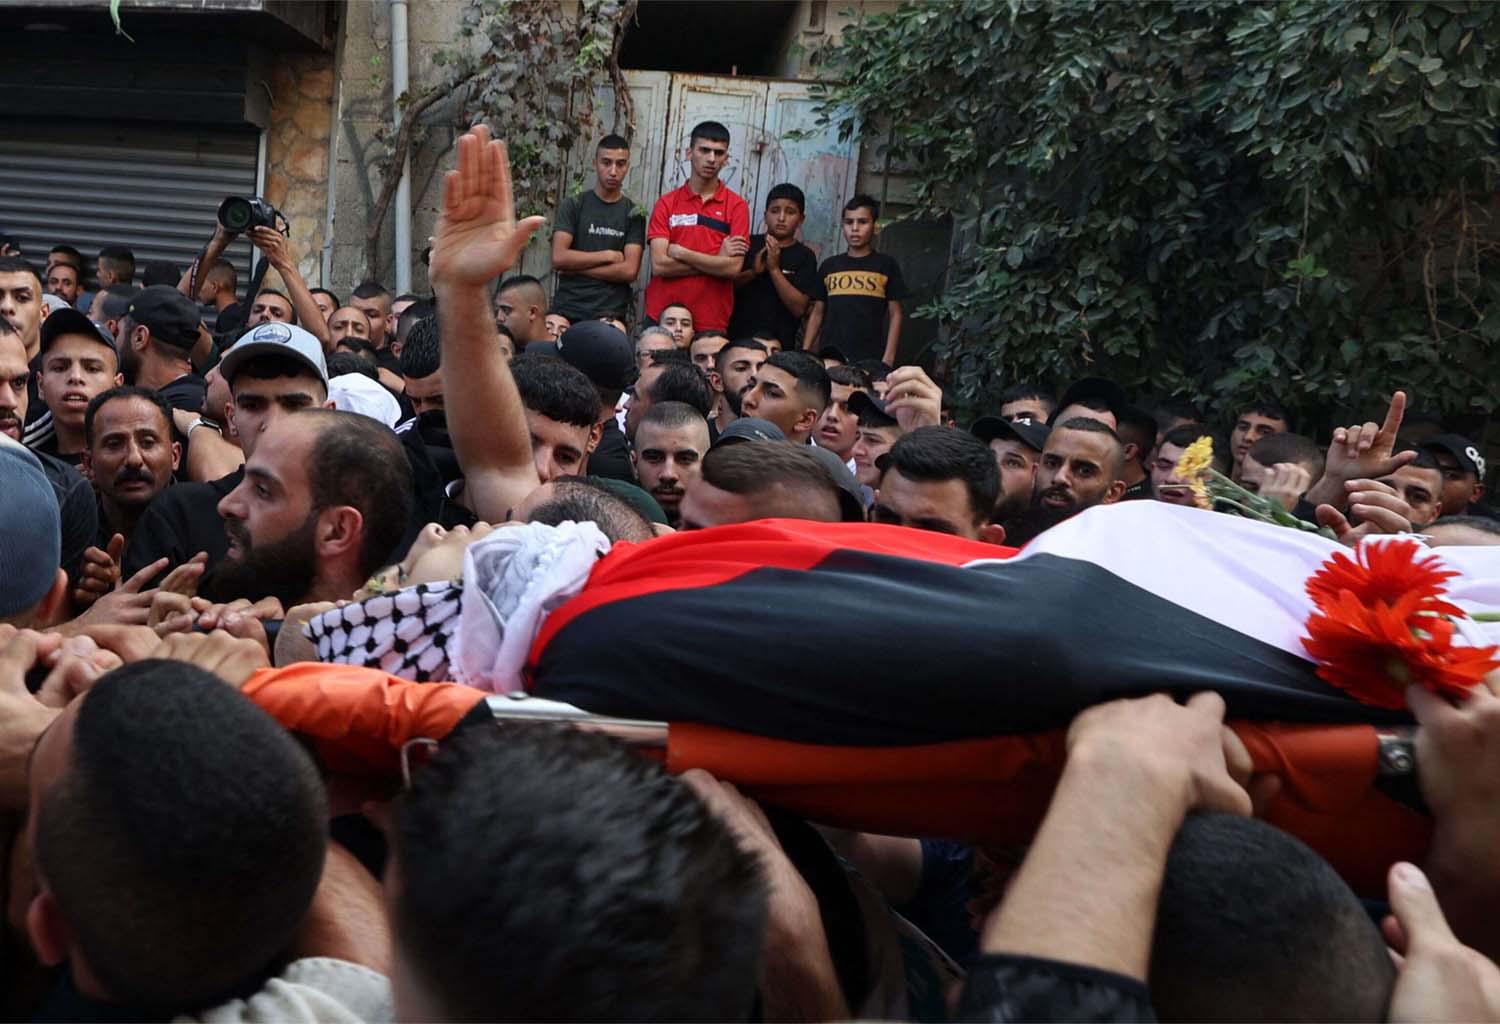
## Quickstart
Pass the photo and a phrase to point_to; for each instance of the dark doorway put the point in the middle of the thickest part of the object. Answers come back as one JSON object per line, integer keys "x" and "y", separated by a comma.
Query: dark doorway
{"x": 719, "y": 37}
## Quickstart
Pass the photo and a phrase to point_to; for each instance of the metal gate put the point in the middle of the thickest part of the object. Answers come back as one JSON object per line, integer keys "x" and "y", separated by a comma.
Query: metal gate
{"x": 152, "y": 190}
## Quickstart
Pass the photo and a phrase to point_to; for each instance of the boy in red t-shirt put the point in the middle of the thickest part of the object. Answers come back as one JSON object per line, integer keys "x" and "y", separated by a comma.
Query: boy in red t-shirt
{"x": 698, "y": 236}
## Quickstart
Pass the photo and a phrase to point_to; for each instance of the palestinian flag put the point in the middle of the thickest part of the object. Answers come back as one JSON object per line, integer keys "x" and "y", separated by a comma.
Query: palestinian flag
{"x": 904, "y": 682}
{"x": 875, "y": 635}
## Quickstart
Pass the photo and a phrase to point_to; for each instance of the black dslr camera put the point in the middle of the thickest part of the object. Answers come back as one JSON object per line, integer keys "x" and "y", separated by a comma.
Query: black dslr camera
{"x": 241, "y": 213}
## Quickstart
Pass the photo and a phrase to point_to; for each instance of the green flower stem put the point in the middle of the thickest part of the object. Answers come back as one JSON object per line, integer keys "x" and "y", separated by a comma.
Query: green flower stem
{"x": 1223, "y": 489}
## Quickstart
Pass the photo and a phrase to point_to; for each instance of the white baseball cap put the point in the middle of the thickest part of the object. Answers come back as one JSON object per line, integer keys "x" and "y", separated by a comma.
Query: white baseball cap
{"x": 354, "y": 392}
{"x": 275, "y": 339}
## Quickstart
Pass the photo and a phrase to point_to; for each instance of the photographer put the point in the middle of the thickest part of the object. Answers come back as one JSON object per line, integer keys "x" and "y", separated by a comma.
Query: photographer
{"x": 274, "y": 246}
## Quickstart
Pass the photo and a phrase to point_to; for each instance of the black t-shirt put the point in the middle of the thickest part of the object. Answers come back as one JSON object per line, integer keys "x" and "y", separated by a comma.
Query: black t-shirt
{"x": 758, "y": 308}
{"x": 182, "y": 521}
{"x": 76, "y": 508}
{"x": 432, "y": 428}
{"x": 596, "y": 226}
{"x": 430, "y": 501}
{"x": 49, "y": 447}
{"x": 385, "y": 359}
{"x": 186, "y": 392}
{"x": 230, "y": 324}
{"x": 855, "y": 291}
{"x": 611, "y": 457}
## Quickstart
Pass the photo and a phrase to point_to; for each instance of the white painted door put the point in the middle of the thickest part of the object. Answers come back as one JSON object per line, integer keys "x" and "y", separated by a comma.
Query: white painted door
{"x": 799, "y": 151}
{"x": 773, "y": 137}
{"x": 737, "y": 103}
{"x": 649, "y": 94}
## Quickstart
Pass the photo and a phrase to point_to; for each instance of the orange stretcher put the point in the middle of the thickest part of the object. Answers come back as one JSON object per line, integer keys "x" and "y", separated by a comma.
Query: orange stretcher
{"x": 991, "y": 792}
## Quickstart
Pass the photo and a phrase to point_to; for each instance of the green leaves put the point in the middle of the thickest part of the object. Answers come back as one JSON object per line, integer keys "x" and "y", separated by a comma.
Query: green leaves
{"x": 1208, "y": 199}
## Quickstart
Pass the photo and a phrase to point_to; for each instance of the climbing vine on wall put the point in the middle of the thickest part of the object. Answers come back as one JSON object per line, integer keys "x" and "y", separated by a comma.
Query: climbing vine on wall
{"x": 529, "y": 71}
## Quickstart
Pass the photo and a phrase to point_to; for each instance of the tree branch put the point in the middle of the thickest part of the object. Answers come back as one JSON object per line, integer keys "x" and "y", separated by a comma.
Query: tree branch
{"x": 390, "y": 173}
{"x": 623, "y": 101}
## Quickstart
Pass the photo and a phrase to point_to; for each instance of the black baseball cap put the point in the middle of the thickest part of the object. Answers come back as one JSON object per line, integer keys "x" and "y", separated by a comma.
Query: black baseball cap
{"x": 851, "y": 496}
{"x": 1464, "y": 451}
{"x": 71, "y": 321}
{"x": 1032, "y": 435}
{"x": 1092, "y": 388}
{"x": 169, "y": 315}
{"x": 1140, "y": 417}
{"x": 860, "y": 401}
{"x": 602, "y": 352}
{"x": 749, "y": 428}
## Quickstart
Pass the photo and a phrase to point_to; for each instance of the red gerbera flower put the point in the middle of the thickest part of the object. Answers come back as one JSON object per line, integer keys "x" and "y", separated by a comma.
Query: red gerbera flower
{"x": 1384, "y": 573}
{"x": 1375, "y": 651}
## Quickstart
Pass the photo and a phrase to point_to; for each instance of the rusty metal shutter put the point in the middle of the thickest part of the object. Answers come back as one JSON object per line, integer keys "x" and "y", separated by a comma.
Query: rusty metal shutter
{"x": 154, "y": 190}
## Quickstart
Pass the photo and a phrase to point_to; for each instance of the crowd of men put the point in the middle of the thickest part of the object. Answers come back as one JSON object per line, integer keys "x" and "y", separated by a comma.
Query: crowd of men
{"x": 185, "y": 467}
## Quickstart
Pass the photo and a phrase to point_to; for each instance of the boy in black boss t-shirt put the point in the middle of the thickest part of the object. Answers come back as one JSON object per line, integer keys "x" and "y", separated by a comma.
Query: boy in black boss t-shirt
{"x": 774, "y": 289}
{"x": 857, "y": 299}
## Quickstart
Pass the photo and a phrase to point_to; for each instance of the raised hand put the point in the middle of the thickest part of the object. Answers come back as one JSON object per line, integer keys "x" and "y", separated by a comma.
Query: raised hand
{"x": 478, "y": 237}
{"x": 100, "y": 572}
{"x": 1366, "y": 450}
{"x": 913, "y": 398}
{"x": 1377, "y": 506}
{"x": 1285, "y": 484}
{"x": 274, "y": 244}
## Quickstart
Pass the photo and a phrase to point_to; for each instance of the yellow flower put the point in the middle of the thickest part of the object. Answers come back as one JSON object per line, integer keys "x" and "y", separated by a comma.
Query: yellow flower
{"x": 1200, "y": 495}
{"x": 1196, "y": 461}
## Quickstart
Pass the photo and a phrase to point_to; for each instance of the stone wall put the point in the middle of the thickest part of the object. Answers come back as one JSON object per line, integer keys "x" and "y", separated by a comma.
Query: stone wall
{"x": 297, "y": 153}
{"x": 364, "y": 134}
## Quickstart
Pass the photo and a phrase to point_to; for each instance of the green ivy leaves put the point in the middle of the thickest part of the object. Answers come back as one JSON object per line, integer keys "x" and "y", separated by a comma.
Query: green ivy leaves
{"x": 1201, "y": 199}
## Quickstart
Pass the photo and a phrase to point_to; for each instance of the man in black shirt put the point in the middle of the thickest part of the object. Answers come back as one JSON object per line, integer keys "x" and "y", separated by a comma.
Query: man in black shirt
{"x": 605, "y": 357}
{"x": 275, "y": 370}
{"x": 371, "y": 299}
{"x": 857, "y": 300}
{"x": 1463, "y": 474}
{"x": 772, "y": 292}
{"x": 422, "y": 367}
{"x": 110, "y": 305}
{"x": 130, "y": 457}
{"x": 158, "y": 331}
{"x": 78, "y": 361}
{"x": 597, "y": 240}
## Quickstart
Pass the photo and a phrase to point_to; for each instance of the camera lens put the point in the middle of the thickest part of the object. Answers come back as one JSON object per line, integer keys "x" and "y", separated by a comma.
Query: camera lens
{"x": 235, "y": 213}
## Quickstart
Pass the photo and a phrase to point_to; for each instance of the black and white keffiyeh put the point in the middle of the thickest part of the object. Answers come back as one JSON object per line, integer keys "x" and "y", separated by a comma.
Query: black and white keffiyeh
{"x": 478, "y": 631}
{"x": 407, "y": 633}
